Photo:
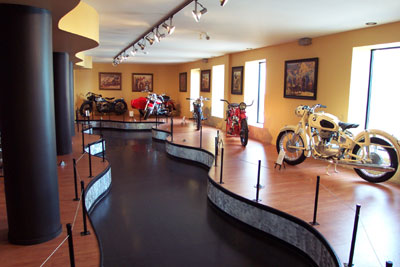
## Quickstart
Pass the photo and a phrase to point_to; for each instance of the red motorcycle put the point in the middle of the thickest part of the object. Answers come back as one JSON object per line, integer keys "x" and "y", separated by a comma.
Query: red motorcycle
{"x": 236, "y": 121}
{"x": 160, "y": 105}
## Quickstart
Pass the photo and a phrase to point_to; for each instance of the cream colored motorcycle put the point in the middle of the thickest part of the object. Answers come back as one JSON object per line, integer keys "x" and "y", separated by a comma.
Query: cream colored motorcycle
{"x": 373, "y": 154}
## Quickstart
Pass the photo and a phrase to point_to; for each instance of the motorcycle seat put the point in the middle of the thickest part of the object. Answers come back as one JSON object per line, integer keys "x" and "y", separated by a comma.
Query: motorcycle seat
{"x": 345, "y": 125}
{"x": 109, "y": 98}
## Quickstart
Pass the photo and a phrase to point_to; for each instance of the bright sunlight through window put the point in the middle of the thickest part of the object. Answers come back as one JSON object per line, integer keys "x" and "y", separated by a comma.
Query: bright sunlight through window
{"x": 218, "y": 85}
{"x": 254, "y": 91}
{"x": 194, "y": 85}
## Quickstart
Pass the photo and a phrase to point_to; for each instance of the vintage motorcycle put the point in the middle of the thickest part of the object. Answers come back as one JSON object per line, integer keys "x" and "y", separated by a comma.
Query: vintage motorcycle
{"x": 161, "y": 105}
{"x": 103, "y": 104}
{"x": 236, "y": 121}
{"x": 198, "y": 110}
{"x": 373, "y": 154}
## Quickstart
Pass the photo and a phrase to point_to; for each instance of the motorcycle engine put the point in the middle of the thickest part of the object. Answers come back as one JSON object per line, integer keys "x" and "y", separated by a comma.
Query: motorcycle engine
{"x": 326, "y": 146}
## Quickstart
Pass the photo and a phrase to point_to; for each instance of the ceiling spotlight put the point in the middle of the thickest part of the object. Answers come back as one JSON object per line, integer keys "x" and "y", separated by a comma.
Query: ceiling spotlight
{"x": 133, "y": 51}
{"x": 197, "y": 14}
{"x": 170, "y": 29}
{"x": 150, "y": 40}
{"x": 223, "y": 2}
{"x": 157, "y": 35}
{"x": 142, "y": 45}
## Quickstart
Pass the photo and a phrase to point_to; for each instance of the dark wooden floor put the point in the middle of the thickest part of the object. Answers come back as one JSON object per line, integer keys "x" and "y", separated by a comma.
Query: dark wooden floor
{"x": 86, "y": 247}
{"x": 292, "y": 190}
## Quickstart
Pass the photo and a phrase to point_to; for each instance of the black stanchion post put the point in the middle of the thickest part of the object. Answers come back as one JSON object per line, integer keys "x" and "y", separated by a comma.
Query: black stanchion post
{"x": 103, "y": 149}
{"x": 75, "y": 182}
{"x": 90, "y": 163}
{"x": 258, "y": 182}
{"x": 216, "y": 150}
{"x": 70, "y": 245}
{"x": 314, "y": 222}
{"x": 77, "y": 118}
{"x": 389, "y": 264}
{"x": 83, "y": 140}
{"x": 156, "y": 119}
{"x": 201, "y": 136}
{"x": 101, "y": 126}
{"x": 172, "y": 129}
{"x": 85, "y": 231}
{"x": 222, "y": 166}
{"x": 353, "y": 239}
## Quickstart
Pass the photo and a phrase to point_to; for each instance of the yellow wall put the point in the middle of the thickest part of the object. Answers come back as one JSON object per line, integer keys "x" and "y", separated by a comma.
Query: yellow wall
{"x": 334, "y": 53}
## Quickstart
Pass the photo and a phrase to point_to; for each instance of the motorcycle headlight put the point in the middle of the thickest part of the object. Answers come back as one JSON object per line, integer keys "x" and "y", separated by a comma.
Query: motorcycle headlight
{"x": 299, "y": 111}
{"x": 242, "y": 106}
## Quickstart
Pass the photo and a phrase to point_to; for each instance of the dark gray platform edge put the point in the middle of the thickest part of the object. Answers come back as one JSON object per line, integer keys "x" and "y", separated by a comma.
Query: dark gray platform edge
{"x": 269, "y": 220}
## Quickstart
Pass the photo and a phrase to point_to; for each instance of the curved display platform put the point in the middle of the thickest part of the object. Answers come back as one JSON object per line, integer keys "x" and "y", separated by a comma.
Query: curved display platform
{"x": 122, "y": 125}
{"x": 271, "y": 221}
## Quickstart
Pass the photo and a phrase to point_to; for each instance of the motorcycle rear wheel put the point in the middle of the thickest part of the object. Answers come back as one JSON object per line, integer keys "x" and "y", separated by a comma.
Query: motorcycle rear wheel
{"x": 85, "y": 106}
{"x": 244, "y": 133}
{"x": 380, "y": 155}
{"x": 120, "y": 107}
{"x": 293, "y": 156}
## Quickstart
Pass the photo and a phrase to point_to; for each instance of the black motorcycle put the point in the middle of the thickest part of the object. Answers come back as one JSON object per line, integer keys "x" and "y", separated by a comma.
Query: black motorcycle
{"x": 103, "y": 104}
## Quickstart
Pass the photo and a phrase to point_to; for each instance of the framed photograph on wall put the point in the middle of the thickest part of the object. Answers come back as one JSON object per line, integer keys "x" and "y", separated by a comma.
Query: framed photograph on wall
{"x": 301, "y": 78}
{"x": 110, "y": 81}
{"x": 205, "y": 78}
{"x": 237, "y": 80}
{"x": 183, "y": 82}
{"x": 142, "y": 82}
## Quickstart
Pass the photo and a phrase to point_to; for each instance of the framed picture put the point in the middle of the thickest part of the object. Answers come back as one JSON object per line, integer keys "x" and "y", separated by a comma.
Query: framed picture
{"x": 301, "y": 78}
{"x": 183, "y": 82}
{"x": 142, "y": 82}
{"x": 237, "y": 80}
{"x": 205, "y": 79}
{"x": 110, "y": 80}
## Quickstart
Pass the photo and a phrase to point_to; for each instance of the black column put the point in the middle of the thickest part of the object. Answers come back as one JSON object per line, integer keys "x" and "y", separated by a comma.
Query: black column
{"x": 71, "y": 99}
{"x": 62, "y": 103}
{"x": 28, "y": 132}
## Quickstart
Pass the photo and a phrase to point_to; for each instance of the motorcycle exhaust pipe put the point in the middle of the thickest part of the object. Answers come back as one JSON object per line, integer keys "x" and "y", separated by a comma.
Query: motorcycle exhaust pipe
{"x": 365, "y": 166}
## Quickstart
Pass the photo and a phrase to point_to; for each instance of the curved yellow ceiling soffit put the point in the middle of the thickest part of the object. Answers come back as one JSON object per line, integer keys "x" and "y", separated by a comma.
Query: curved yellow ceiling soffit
{"x": 83, "y": 22}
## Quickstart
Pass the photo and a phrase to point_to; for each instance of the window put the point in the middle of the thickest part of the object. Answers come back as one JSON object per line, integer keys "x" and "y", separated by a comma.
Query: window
{"x": 384, "y": 91}
{"x": 254, "y": 91}
{"x": 373, "y": 87}
{"x": 194, "y": 85}
{"x": 218, "y": 85}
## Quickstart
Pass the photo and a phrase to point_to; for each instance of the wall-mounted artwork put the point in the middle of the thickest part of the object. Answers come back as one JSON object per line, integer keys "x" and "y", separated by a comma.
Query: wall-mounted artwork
{"x": 183, "y": 82}
{"x": 110, "y": 80}
{"x": 205, "y": 79}
{"x": 142, "y": 82}
{"x": 237, "y": 80}
{"x": 301, "y": 78}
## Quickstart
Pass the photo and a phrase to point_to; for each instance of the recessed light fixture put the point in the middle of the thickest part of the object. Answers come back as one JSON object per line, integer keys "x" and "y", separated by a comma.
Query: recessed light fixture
{"x": 372, "y": 23}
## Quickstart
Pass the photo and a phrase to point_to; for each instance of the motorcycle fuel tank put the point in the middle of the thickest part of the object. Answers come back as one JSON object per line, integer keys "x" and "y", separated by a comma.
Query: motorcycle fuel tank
{"x": 324, "y": 121}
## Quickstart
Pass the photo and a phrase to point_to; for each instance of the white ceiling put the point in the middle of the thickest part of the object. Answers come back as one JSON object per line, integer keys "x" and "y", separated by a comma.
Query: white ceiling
{"x": 237, "y": 26}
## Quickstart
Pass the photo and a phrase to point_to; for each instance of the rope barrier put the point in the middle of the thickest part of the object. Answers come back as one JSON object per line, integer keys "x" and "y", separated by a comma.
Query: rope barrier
{"x": 62, "y": 243}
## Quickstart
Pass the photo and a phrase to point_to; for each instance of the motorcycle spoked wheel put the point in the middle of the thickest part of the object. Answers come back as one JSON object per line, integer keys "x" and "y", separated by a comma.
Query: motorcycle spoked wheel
{"x": 293, "y": 156}
{"x": 85, "y": 106}
{"x": 147, "y": 114}
{"x": 380, "y": 155}
{"x": 197, "y": 117}
{"x": 120, "y": 107}
{"x": 244, "y": 133}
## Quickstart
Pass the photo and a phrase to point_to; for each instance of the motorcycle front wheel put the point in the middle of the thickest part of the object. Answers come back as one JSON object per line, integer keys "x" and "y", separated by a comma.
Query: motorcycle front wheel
{"x": 147, "y": 114}
{"x": 244, "y": 133}
{"x": 284, "y": 141}
{"x": 382, "y": 155}
{"x": 85, "y": 106}
{"x": 120, "y": 107}
{"x": 197, "y": 116}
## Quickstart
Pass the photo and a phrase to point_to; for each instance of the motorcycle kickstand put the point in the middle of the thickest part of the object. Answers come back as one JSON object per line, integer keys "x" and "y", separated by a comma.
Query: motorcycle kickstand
{"x": 327, "y": 168}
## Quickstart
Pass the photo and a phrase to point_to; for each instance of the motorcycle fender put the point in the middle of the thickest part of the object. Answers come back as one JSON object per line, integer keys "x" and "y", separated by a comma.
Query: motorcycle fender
{"x": 301, "y": 133}
{"x": 392, "y": 139}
